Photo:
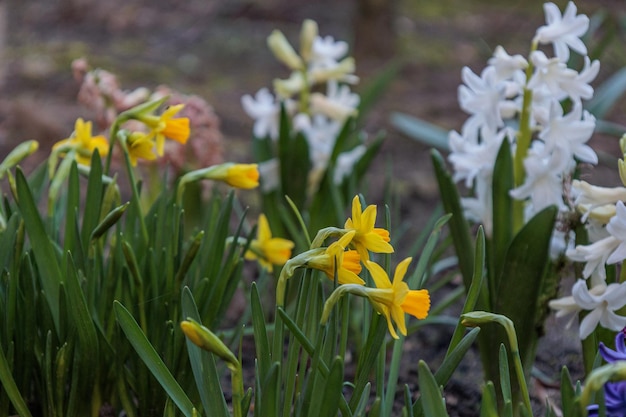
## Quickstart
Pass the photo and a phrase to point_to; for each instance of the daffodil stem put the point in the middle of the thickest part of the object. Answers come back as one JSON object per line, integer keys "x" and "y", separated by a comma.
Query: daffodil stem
{"x": 115, "y": 127}
{"x": 135, "y": 193}
{"x": 237, "y": 387}
{"x": 476, "y": 318}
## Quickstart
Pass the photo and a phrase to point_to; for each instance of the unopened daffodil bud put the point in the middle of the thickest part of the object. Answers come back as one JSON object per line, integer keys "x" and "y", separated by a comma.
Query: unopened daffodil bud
{"x": 244, "y": 176}
{"x": 207, "y": 340}
{"x": 20, "y": 152}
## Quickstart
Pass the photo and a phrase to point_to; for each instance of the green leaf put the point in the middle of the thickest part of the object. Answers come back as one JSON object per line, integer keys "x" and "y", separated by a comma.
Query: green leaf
{"x": 332, "y": 392}
{"x": 568, "y": 394}
{"x": 449, "y": 365}
{"x": 367, "y": 360}
{"x": 71, "y": 212}
{"x": 607, "y": 95}
{"x": 489, "y": 407}
{"x": 293, "y": 156}
{"x": 521, "y": 279}
{"x": 203, "y": 366}
{"x": 475, "y": 288}
{"x": 432, "y": 400}
{"x": 152, "y": 359}
{"x": 420, "y": 130}
{"x": 271, "y": 392}
{"x": 45, "y": 254}
{"x": 9, "y": 386}
{"x": 505, "y": 376}
{"x": 80, "y": 316}
{"x": 502, "y": 208}
{"x": 418, "y": 279}
{"x": 363, "y": 397}
{"x": 261, "y": 341}
{"x": 458, "y": 224}
{"x": 93, "y": 199}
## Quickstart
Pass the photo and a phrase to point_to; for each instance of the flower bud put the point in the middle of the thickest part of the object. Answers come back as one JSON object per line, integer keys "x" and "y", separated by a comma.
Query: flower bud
{"x": 283, "y": 51}
{"x": 20, "y": 152}
{"x": 207, "y": 340}
{"x": 307, "y": 36}
{"x": 292, "y": 85}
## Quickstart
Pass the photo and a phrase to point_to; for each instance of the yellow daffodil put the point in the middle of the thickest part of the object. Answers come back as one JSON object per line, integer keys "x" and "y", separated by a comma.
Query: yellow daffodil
{"x": 82, "y": 143}
{"x": 266, "y": 249}
{"x": 139, "y": 145}
{"x": 346, "y": 263}
{"x": 367, "y": 237}
{"x": 166, "y": 126}
{"x": 393, "y": 299}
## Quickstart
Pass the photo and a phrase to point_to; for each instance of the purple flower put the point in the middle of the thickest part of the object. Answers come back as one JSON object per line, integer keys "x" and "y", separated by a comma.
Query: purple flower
{"x": 611, "y": 355}
{"x": 614, "y": 399}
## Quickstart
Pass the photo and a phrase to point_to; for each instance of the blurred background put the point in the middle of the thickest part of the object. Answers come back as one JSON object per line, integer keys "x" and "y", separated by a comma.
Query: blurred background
{"x": 217, "y": 50}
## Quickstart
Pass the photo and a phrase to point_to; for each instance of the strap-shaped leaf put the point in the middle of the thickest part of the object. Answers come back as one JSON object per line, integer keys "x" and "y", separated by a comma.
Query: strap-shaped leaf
{"x": 151, "y": 358}
{"x": 261, "y": 341}
{"x": 458, "y": 224}
{"x": 522, "y": 276}
{"x": 421, "y": 130}
{"x": 607, "y": 94}
{"x": 203, "y": 366}
{"x": 9, "y": 386}
{"x": 502, "y": 209}
{"x": 489, "y": 407}
{"x": 332, "y": 391}
{"x": 93, "y": 200}
{"x": 449, "y": 365}
{"x": 434, "y": 405}
{"x": 45, "y": 254}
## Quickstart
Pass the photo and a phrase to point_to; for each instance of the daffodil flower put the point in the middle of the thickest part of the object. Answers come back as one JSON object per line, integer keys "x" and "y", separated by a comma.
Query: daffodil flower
{"x": 334, "y": 259}
{"x": 266, "y": 249}
{"x": 82, "y": 143}
{"x": 139, "y": 145}
{"x": 393, "y": 299}
{"x": 346, "y": 263}
{"x": 167, "y": 126}
{"x": 367, "y": 237}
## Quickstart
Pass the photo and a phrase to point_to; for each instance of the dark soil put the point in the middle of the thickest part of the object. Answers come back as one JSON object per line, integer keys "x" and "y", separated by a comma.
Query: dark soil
{"x": 217, "y": 50}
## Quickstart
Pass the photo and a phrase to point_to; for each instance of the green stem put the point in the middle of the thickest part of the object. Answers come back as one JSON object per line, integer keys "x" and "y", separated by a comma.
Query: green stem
{"x": 237, "y": 387}
{"x": 524, "y": 137}
{"x": 304, "y": 94}
{"x": 135, "y": 194}
{"x": 115, "y": 127}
